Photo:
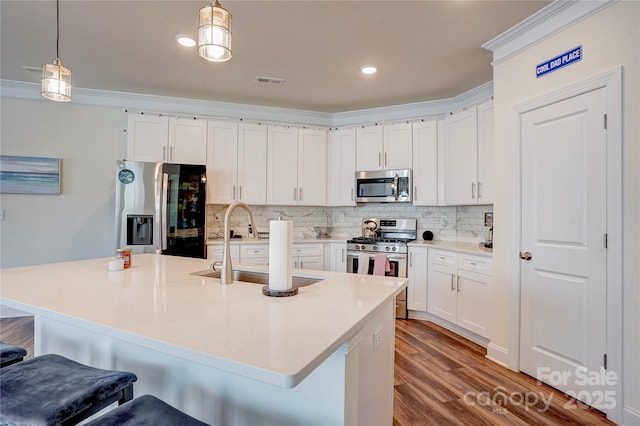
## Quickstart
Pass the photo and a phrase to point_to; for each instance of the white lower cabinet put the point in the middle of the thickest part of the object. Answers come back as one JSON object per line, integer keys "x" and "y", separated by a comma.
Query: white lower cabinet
{"x": 305, "y": 255}
{"x": 308, "y": 256}
{"x": 257, "y": 254}
{"x": 216, "y": 252}
{"x": 335, "y": 257}
{"x": 417, "y": 274}
{"x": 458, "y": 289}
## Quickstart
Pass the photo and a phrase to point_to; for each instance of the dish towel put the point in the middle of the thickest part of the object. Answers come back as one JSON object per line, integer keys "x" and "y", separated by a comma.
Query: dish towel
{"x": 363, "y": 263}
{"x": 381, "y": 264}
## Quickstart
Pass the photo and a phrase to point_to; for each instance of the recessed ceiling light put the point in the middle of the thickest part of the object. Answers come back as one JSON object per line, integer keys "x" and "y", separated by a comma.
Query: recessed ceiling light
{"x": 368, "y": 69}
{"x": 185, "y": 40}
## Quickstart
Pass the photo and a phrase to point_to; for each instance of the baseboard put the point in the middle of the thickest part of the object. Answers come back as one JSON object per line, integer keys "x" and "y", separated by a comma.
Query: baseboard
{"x": 498, "y": 354}
{"x": 630, "y": 417}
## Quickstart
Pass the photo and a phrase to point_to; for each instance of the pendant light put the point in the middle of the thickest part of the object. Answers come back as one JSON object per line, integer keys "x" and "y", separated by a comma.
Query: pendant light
{"x": 214, "y": 37}
{"x": 56, "y": 79}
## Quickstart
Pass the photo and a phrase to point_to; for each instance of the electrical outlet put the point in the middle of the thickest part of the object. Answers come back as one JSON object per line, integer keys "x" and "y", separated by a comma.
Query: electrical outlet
{"x": 377, "y": 339}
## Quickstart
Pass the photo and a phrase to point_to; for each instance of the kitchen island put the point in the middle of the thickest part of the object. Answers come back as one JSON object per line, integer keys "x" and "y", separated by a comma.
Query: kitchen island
{"x": 223, "y": 354}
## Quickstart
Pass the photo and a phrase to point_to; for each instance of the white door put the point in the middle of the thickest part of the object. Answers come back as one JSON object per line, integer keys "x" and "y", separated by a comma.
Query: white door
{"x": 312, "y": 167}
{"x": 461, "y": 158}
{"x": 222, "y": 168}
{"x": 563, "y": 298}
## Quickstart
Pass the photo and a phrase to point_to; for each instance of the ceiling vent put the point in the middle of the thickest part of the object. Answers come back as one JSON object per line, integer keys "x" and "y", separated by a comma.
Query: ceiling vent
{"x": 270, "y": 80}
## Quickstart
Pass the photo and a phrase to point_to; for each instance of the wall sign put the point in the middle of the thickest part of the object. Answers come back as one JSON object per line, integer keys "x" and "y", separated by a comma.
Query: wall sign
{"x": 562, "y": 60}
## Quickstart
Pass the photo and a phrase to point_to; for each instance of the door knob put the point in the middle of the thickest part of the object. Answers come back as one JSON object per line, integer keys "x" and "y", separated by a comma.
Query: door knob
{"x": 525, "y": 255}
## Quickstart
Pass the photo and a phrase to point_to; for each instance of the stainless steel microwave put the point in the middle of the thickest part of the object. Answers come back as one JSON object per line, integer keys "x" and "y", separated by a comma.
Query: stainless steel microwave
{"x": 383, "y": 186}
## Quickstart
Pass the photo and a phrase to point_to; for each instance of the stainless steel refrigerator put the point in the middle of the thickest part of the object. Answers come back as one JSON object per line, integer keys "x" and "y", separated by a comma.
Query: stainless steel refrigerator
{"x": 160, "y": 208}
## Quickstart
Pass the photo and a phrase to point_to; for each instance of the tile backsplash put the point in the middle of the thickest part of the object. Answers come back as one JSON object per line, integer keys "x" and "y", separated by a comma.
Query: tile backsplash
{"x": 465, "y": 223}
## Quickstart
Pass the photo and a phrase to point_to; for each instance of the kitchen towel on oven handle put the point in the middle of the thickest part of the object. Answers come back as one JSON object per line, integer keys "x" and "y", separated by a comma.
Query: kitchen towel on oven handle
{"x": 363, "y": 263}
{"x": 381, "y": 264}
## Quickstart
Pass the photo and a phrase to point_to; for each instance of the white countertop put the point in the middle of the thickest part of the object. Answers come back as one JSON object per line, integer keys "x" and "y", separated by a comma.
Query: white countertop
{"x": 215, "y": 241}
{"x": 159, "y": 304}
{"x": 473, "y": 248}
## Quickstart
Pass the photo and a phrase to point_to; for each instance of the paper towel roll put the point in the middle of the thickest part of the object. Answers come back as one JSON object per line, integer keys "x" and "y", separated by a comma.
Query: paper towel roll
{"x": 280, "y": 260}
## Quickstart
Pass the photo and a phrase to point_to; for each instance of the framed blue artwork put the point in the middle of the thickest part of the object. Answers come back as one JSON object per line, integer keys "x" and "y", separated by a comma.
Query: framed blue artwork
{"x": 29, "y": 175}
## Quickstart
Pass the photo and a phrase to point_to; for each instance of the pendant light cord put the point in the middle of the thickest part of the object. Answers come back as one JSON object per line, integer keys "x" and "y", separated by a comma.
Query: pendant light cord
{"x": 57, "y": 29}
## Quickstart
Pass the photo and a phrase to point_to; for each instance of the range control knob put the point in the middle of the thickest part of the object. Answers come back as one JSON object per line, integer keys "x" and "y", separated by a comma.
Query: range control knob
{"x": 387, "y": 248}
{"x": 375, "y": 248}
{"x": 394, "y": 249}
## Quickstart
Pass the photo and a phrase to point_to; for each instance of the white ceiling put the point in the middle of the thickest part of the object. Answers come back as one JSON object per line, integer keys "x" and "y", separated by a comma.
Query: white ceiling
{"x": 424, "y": 50}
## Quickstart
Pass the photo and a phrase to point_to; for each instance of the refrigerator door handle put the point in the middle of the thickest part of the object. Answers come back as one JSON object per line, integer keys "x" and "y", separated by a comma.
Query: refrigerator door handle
{"x": 163, "y": 212}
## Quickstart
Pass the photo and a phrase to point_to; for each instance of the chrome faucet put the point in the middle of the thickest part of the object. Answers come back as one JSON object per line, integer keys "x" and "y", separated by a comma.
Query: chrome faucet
{"x": 226, "y": 274}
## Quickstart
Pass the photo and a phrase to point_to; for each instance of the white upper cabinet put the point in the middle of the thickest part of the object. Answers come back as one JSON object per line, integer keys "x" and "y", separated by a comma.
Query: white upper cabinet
{"x": 187, "y": 141}
{"x": 384, "y": 147}
{"x": 166, "y": 139}
{"x": 252, "y": 163}
{"x": 147, "y": 138}
{"x": 468, "y": 157}
{"x": 397, "y": 146}
{"x": 341, "y": 167}
{"x": 425, "y": 162}
{"x": 236, "y": 163}
{"x": 296, "y": 166}
{"x": 312, "y": 167}
{"x": 485, "y": 153}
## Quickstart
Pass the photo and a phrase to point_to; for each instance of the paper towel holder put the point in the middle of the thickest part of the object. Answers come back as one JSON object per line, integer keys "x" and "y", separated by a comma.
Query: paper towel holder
{"x": 279, "y": 293}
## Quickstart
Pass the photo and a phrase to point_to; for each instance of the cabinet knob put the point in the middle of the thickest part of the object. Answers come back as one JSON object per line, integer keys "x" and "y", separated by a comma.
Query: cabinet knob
{"x": 525, "y": 255}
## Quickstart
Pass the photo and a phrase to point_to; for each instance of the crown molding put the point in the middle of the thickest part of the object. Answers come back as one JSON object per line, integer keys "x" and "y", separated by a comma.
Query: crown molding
{"x": 414, "y": 110}
{"x": 163, "y": 104}
{"x": 543, "y": 24}
{"x": 134, "y": 102}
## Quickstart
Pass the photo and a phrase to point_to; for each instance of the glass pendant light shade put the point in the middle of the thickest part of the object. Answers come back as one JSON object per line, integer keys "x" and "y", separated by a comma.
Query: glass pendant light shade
{"x": 56, "y": 82}
{"x": 214, "y": 37}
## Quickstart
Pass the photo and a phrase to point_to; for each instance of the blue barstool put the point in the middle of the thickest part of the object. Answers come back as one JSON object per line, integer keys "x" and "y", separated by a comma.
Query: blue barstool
{"x": 10, "y": 354}
{"x": 54, "y": 390}
{"x": 145, "y": 410}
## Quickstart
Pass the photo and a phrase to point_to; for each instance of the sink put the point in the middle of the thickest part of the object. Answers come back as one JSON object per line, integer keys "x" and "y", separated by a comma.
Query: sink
{"x": 257, "y": 277}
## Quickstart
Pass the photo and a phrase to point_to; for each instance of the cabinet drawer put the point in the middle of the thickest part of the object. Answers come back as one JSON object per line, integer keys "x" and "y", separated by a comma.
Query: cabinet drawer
{"x": 480, "y": 264}
{"x": 442, "y": 258}
{"x": 308, "y": 250}
{"x": 248, "y": 251}
{"x": 216, "y": 251}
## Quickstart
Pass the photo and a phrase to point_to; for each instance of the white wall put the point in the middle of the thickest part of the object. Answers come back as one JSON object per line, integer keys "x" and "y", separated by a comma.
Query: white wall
{"x": 78, "y": 223}
{"x": 610, "y": 39}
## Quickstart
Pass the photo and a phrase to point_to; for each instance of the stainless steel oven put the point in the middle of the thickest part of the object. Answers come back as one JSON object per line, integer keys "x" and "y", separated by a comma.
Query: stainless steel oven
{"x": 387, "y": 237}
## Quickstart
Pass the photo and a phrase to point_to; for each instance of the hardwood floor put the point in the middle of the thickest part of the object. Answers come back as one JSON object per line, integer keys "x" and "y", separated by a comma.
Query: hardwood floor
{"x": 444, "y": 379}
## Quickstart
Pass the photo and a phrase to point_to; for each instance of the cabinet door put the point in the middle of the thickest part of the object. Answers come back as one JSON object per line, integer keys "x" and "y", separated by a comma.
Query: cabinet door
{"x": 485, "y": 153}
{"x": 336, "y": 257}
{"x": 341, "y": 168}
{"x": 397, "y": 146}
{"x": 252, "y": 163}
{"x": 425, "y": 163}
{"x": 460, "y": 158}
{"x": 282, "y": 170}
{"x": 417, "y": 273}
{"x": 369, "y": 145}
{"x": 473, "y": 301}
{"x": 442, "y": 296}
{"x": 312, "y": 167}
{"x": 187, "y": 141}
{"x": 222, "y": 155}
{"x": 147, "y": 138}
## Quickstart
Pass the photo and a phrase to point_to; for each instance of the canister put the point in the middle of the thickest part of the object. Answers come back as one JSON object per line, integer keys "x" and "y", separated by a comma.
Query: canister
{"x": 125, "y": 255}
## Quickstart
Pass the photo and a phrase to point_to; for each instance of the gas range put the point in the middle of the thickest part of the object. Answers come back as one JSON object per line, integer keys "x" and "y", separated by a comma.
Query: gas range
{"x": 380, "y": 244}
{"x": 384, "y": 236}
{"x": 388, "y": 237}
